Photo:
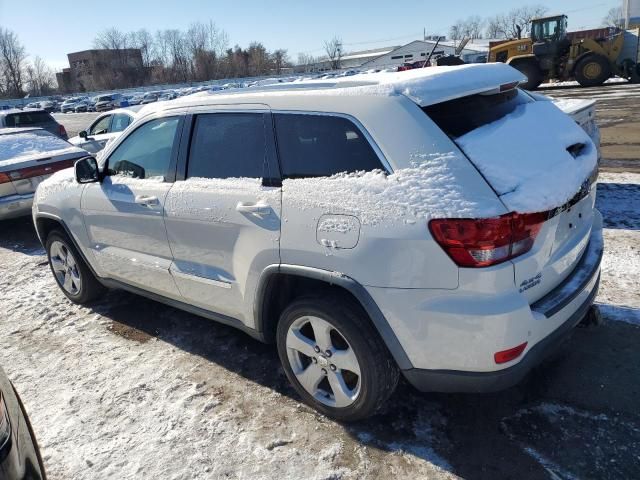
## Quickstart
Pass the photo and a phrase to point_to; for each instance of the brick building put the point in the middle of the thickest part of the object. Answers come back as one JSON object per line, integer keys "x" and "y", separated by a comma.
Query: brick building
{"x": 92, "y": 70}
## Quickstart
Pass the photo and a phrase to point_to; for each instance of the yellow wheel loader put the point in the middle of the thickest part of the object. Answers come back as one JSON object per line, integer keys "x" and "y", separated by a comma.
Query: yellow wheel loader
{"x": 553, "y": 54}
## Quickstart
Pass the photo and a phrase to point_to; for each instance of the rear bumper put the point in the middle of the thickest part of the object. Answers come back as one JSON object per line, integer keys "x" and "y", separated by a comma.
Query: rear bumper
{"x": 14, "y": 206}
{"x": 570, "y": 300}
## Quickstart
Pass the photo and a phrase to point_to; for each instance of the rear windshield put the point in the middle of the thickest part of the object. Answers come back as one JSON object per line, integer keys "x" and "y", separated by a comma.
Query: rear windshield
{"x": 462, "y": 115}
{"x": 26, "y": 119}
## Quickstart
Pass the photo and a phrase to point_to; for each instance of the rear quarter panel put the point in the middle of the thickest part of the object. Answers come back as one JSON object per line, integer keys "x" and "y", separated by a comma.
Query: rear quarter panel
{"x": 432, "y": 179}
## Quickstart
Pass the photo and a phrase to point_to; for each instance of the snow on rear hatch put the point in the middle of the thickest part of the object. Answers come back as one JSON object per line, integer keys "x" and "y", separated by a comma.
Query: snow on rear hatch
{"x": 534, "y": 156}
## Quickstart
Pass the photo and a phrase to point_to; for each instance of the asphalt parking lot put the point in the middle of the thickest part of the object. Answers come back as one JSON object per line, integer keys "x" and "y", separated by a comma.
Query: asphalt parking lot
{"x": 130, "y": 388}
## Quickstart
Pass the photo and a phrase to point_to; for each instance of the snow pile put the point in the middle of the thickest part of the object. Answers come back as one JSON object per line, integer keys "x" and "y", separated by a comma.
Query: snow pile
{"x": 524, "y": 156}
{"x": 17, "y": 147}
{"x": 429, "y": 189}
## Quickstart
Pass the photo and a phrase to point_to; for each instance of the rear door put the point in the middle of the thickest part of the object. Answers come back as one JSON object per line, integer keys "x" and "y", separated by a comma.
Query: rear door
{"x": 124, "y": 214}
{"x": 223, "y": 217}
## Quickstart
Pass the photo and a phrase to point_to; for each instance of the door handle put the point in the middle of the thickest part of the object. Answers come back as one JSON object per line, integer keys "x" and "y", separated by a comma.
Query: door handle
{"x": 146, "y": 200}
{"x": 260, "y": 208}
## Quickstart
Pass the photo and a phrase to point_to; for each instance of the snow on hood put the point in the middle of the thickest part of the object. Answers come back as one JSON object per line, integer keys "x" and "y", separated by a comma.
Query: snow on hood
{"x": 524, "y": 157}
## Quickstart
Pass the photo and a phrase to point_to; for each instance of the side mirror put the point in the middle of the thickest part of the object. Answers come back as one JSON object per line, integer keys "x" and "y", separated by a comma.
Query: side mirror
{"x": 83, "y": 134}
{"x": 87, "y": 170}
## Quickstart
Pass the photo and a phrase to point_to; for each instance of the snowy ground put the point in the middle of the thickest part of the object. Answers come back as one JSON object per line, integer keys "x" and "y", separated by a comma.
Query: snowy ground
{"x": 133, "y": 389}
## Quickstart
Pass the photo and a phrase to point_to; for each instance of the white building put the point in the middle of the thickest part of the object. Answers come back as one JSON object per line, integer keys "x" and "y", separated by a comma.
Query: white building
{"x": 420, "y": 50}
{"x": 394, "y": 56}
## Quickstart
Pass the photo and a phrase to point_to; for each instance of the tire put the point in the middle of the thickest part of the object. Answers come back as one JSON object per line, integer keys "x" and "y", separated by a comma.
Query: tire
{"x": 343, "y": 328}
{"x": 67, "y": 264}
{"x": 533, "y": 73}
{"x": 34, "y": 441}
{"x": 592, "y": 70}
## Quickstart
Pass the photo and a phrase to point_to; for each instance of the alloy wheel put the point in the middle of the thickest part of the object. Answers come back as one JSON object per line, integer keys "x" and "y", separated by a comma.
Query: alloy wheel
{"x": 323, "y": 362}
{"x": 65, "y": 268}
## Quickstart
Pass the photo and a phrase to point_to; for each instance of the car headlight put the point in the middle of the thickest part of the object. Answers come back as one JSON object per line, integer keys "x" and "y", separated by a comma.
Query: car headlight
{"x": 5, "y": 425}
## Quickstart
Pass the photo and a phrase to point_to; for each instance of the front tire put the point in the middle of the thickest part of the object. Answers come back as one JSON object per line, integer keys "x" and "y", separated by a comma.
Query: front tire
{"x": 592, "y": 70}
{"x": 334, "y": 358}
{"x": 72, "y": 274}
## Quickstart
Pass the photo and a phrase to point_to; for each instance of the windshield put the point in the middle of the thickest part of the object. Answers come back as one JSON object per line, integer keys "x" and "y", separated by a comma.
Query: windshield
{"x": 548, "y": 30}
{"x": 104, "y": 98}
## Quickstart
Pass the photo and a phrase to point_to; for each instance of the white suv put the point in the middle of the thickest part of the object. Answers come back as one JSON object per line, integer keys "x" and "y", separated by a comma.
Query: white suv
{"x": 437, "y": 223}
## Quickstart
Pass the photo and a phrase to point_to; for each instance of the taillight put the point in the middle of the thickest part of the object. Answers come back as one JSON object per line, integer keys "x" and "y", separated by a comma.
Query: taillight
{"x": 4, "y": 178}
{"x": 487, "y": 241}
{"x": 508, "y": 355}
{"x": 61, "y": 129}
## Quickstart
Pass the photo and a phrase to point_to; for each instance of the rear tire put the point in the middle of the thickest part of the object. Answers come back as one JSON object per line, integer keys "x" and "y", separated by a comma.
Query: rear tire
{"x": 533, "y": 73}
{"x": 592, "y": 70}
{"x": 321, "y": 343}
{"x": 71, "y": 273}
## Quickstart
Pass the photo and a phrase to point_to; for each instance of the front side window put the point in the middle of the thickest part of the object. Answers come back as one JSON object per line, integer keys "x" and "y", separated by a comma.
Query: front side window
{"x": 146, "y": 152}
{"x": 101, "y": 126}
{"x": 228, "y": 145}
{"x": 120, "y": 122}
{"x": 321, "y": 146}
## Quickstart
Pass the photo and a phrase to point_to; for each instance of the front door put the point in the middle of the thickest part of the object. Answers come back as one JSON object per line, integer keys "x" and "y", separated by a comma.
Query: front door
{"x": 124, "y": 214}
{"x": 223, "y": 220}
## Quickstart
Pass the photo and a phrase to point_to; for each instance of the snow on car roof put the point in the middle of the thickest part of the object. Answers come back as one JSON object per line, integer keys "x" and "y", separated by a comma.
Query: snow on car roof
{"x": 424, "y": 86}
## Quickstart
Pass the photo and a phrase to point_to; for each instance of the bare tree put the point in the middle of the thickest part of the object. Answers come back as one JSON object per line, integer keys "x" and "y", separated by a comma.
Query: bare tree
{"x": 40, "y": 77}
{"x": 495, "y": 27}
{"x": 515, "y": 23}
{"x": 280, "y": 59}
{"x": 456, "y": 31}
{"x": 12, "y": 63}
{"x": 143, "y": 40}
{"x": 112, "y": 39}
{"x": 333, "y": 49}
{"x": 306, "y": 62}
{"x": 614, "y": 18}
{"x": 473, "y": 27}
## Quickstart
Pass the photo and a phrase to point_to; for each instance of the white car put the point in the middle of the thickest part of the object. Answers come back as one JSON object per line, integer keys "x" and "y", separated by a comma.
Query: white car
{"x": 105, "y": 128}
{"x": 437, "y": 223}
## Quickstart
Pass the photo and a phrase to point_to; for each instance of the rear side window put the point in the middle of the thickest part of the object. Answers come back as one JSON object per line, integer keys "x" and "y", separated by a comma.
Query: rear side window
{"x": 321, "y": 146}
{"x": 462, "y": 115}
{"x": 26, "y": 119}
{"x": 228, "y": 145}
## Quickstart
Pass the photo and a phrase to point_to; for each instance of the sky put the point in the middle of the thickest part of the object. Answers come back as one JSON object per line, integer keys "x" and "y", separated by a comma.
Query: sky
{"x": 51, "y": 29}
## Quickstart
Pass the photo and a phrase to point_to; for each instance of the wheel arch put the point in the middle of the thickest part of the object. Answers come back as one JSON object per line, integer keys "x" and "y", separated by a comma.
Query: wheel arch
{"x": 46, "y": 223}
{"x": 280, "y": 284}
